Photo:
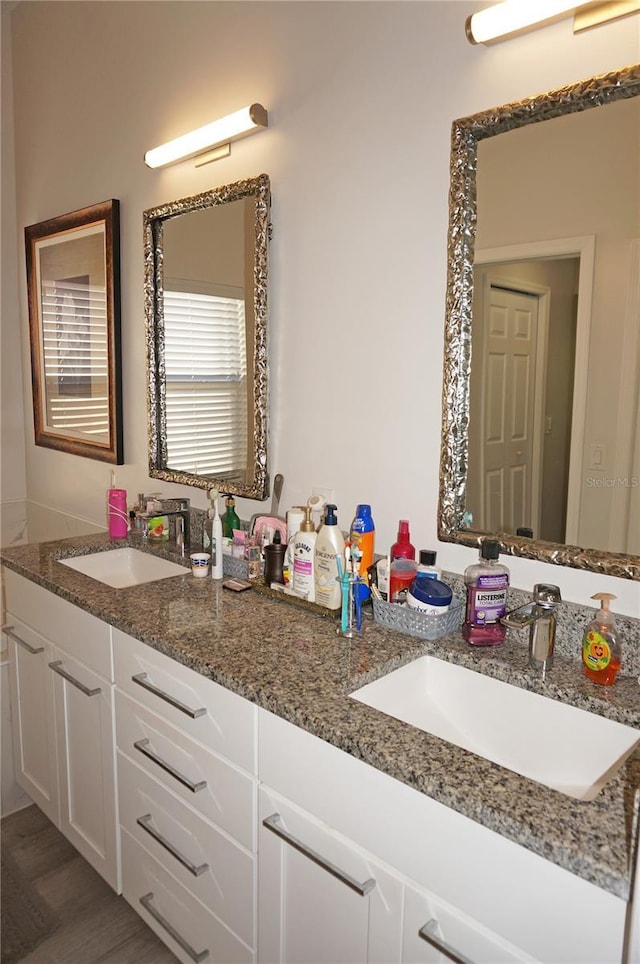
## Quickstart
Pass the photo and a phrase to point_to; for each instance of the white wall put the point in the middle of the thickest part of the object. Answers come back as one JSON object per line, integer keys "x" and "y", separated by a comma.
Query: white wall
{"x": 13, "y": 482}
{"x": 361, "y": 97}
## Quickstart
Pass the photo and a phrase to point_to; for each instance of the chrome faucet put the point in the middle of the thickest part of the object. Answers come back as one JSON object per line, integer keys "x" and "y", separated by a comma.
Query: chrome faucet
{"x": 541, "y": 616}
{"x": 177, "y": 511}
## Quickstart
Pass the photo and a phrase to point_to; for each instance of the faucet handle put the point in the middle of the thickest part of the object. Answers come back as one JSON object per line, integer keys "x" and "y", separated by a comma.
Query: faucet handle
{"x": 546, "y": 594}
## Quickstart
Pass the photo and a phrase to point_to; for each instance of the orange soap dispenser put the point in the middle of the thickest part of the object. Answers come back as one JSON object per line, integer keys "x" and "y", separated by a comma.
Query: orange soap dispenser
{"x": 600, "y": 647}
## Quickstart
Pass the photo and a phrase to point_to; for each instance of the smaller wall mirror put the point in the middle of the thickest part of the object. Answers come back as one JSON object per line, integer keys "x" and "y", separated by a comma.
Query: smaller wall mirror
{"x": 206, "y": 288}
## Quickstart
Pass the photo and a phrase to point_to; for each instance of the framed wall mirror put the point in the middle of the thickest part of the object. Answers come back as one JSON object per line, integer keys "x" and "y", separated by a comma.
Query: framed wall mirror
{"x": 73, "y": 284}
{"x": 541, "y": 403}
{"x": 206, "y": 288}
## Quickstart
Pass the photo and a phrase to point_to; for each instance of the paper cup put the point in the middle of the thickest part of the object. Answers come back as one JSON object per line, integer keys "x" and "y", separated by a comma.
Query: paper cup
{"x": 200, "y": 563}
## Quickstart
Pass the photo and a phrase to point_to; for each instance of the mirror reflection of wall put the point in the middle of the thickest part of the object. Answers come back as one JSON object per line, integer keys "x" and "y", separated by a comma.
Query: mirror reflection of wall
{"x": 574, "y": 176}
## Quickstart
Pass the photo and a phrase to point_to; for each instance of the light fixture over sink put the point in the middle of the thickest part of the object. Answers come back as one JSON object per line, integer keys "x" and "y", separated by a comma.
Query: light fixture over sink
{"x": 513, "y": 17}
{"x": 218, "y": 135}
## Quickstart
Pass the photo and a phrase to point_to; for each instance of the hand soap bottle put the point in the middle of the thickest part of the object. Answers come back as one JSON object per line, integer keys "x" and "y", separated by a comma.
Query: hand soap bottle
{"x": 600, "y": 648}
{"x": 304, "y": 546}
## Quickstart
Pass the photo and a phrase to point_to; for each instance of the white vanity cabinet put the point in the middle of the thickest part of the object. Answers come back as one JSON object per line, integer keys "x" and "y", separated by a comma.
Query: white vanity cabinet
{"x": 322, "y": 900}
{"x": 64, "y": 708}
{"x": 492, "y": 900}
{"x": 33, "y": 720}
{"x": 187, "y": 777}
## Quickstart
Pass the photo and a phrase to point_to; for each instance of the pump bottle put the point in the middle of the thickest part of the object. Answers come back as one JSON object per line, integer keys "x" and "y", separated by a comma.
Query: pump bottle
{"x": 304, "y": 545}
{"x": 329, "y": 547}
{"x": 600, "y": 648}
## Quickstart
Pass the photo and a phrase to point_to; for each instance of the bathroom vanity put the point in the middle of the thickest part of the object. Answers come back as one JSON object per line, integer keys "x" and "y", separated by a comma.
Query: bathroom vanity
{"x": 202, "y": 750}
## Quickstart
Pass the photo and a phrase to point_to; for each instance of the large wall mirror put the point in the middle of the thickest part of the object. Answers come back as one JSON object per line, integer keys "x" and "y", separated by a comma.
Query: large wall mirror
{"x": 541, "y": 400}
{"x": 206, "y": 287}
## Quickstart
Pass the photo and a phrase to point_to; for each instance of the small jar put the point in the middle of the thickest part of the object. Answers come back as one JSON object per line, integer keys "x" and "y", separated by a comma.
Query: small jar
{"x": 430, "y": 596}
{"x": 402, "y": 573}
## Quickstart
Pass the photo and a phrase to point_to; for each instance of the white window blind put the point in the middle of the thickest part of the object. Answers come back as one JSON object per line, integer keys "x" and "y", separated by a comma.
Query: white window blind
{"x": 74, "y": 357}
{"x": 206, "y": 383}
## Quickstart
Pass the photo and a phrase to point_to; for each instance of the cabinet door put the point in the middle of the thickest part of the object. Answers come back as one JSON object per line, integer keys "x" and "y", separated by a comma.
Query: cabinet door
{"x": 34, "y": 745}
{"x": 84, "y": 708}
{"x": 320, "y": 899}
{"x": 436, "y": 933}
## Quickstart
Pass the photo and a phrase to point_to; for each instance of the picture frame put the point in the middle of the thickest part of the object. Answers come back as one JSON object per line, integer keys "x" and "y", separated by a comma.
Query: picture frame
{"x": 73, "y": 286}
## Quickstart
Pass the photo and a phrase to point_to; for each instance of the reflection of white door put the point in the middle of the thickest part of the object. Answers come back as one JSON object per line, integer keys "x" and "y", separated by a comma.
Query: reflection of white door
{"x": 510, "y": 411}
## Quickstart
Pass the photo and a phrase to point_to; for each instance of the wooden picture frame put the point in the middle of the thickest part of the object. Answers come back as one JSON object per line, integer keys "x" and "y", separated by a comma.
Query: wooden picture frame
{"x": 73, "y": 284}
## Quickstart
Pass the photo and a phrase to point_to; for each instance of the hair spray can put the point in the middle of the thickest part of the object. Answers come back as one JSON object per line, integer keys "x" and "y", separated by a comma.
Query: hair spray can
{"x": 117, "y": 513}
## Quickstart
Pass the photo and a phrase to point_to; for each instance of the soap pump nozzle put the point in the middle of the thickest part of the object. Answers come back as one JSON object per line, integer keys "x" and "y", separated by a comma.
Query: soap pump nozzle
{"x": 604, "y": 614}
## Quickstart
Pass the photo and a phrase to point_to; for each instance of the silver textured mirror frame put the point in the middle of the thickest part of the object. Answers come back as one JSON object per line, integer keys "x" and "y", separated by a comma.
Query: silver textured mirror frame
{"x": 466, "y": 133}
{"x": 256, "y": 487}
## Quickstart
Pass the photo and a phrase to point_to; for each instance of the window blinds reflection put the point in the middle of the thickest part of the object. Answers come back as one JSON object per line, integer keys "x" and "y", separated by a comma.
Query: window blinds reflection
{"x": 206, "y": 383}
{"x": 75, "y": 357}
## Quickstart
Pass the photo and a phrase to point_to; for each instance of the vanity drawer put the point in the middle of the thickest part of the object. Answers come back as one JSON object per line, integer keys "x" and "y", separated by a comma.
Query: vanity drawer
{"x": 218, "y": 718}
{"x": 206, "y": 862}
{"x": 77, "y": 632}
{"x": 178, "y": 919}
{"x": 218, "y": 790}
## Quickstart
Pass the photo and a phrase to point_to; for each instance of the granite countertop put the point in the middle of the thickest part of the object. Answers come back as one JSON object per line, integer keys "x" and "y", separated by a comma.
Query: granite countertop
{"x": 293, "y": 664}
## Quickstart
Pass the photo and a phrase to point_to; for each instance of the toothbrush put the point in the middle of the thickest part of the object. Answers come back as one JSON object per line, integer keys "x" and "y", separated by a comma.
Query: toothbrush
{"x": 344, "y": 586}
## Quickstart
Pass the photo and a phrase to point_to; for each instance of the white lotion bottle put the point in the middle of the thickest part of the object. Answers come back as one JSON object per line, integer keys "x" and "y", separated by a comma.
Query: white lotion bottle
{"x": 304, "y": 546}
{"x": 329, "y": 547}
{"x": 217, "y": 570}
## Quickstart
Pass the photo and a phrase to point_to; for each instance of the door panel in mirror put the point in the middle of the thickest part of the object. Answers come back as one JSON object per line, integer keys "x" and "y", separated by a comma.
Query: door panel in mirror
{"x": 206, "y": 286}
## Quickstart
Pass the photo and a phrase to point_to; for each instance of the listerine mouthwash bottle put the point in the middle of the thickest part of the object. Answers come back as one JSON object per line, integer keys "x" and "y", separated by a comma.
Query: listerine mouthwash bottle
{"x": 487, "y": 582}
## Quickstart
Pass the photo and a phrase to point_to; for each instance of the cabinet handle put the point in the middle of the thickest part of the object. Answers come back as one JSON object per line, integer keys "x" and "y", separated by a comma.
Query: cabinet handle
{"x": 170, "y": 929}
{"x": 427, "y": 934}
{"x": 21, "y": 642}
{"x": 56, "y": 666}
{"x": 274, "y": 824}
{"x": 143, "y": 747}
{"x": 145, "y": 823}
{"x": 143, "y": 680}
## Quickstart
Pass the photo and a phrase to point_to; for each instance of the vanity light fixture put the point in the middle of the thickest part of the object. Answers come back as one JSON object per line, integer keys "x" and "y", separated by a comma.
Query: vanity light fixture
{"x": 512, "y": 17}
{"x": 212, "y": 141}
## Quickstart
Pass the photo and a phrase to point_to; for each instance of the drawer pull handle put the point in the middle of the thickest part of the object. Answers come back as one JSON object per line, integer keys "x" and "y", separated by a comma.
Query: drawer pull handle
{"x": 21, "y": 642}
{"x": 143, "y": 747}
{"x": 145, "y": 823}
{"x": 143, "y": 680}
{"x": 274, "y": 824}
{"x": 427, "y": 934}
{"x": 196, "y": 956}
{"x": 56, "y": 666}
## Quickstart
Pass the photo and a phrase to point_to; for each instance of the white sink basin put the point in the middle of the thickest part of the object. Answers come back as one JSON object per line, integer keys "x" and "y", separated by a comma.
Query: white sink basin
{"x": 124, "y": 567}
{"x": 567, "y": 749}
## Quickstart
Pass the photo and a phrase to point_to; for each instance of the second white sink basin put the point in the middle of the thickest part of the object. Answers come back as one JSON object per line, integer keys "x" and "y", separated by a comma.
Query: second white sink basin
{"x": 120, "y": 568}
{"x": 560, "y": 746}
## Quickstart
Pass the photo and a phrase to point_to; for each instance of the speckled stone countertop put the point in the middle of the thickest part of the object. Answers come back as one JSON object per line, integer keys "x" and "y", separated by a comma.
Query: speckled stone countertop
{"x": 293, "y": 664}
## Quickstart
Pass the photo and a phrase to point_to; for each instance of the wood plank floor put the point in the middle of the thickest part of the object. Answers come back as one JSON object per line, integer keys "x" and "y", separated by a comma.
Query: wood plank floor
{"x": 96, "y": 925}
